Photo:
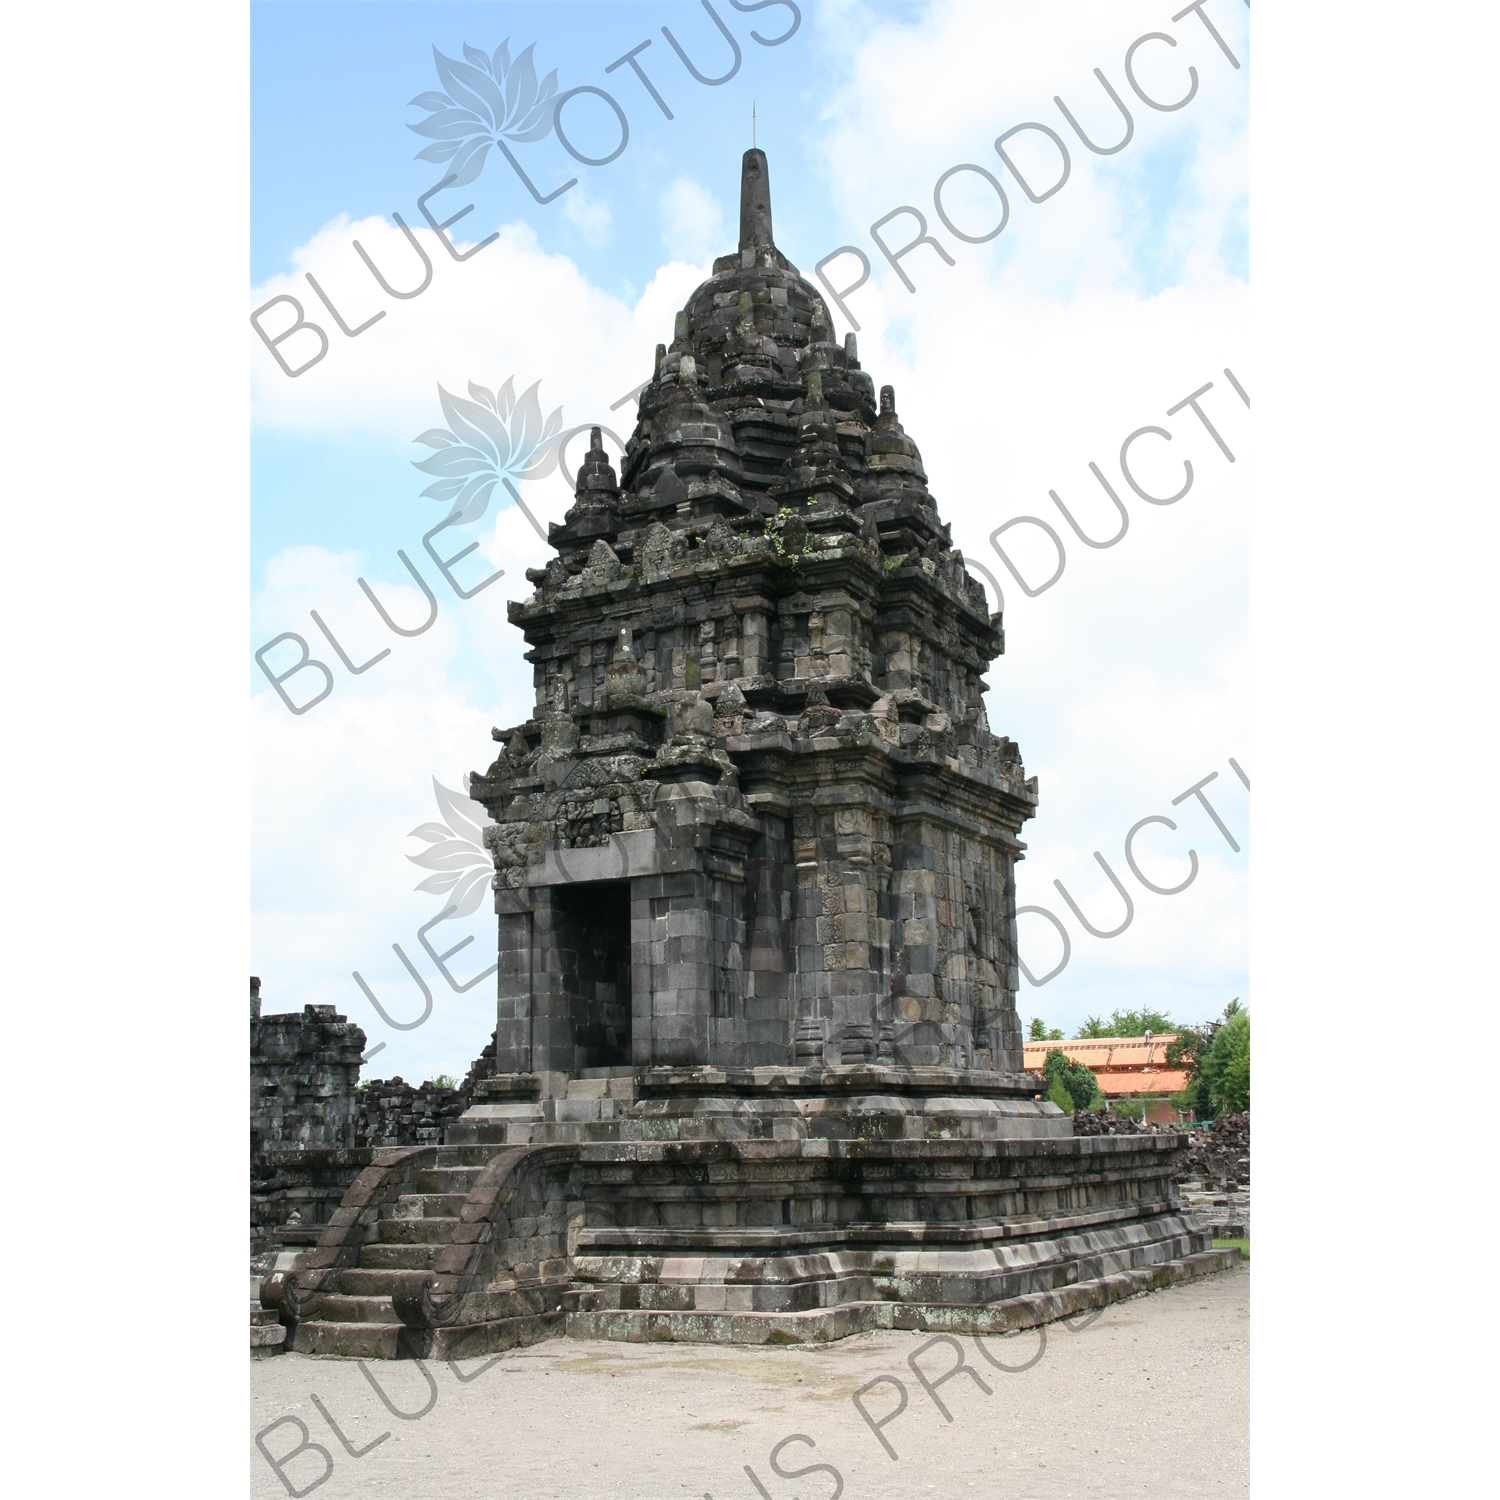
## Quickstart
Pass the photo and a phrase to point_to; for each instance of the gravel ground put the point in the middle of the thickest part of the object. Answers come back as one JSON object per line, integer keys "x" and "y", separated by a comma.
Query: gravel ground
{"x": 1150, "y": 1398}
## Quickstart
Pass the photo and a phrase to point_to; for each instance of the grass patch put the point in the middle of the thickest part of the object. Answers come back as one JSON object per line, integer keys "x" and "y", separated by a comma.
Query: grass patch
{"x": 1243, "y": 1246}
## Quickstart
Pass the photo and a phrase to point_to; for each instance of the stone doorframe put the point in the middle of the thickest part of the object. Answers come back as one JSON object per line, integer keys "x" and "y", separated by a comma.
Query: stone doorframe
{"x": 686, "y": 942}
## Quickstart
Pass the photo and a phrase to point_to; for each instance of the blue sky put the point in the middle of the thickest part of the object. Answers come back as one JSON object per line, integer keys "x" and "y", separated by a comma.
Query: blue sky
{"x": 330, "y": 85}
{"x": 1031, "y": 356}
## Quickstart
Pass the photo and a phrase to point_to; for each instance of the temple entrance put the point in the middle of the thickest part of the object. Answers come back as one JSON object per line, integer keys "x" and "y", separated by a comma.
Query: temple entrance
{"x": 593, "y": 943}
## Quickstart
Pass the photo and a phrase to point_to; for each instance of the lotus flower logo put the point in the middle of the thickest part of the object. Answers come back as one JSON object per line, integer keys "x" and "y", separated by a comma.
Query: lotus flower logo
{"x": 493, "y": 437}
{"x": 488, "y": 97}
{"x": 457, "y": 853}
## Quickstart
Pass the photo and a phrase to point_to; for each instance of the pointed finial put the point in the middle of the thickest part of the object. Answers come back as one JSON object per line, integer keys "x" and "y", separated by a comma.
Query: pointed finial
{"x": 755, "y": 201}
{"x": 753, "y": 142}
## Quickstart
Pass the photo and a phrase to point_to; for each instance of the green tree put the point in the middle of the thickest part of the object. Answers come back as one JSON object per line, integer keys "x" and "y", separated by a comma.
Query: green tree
{"x": 1127, "y": 1023}
{"x": 1236, "y": 1084}
{"x": 1083, "y": 1086}
{"x": 1217, "y": 1057}
{"x": 1226, "y": 1066}
{"x": 1068, "y": 1079}
{"x": 1040, "y": 1033}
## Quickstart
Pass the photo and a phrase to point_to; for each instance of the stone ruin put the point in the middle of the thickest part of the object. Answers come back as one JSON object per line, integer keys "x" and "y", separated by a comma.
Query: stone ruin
{"x": 757, "y": 1071}
{"x": 314, "y": 1124}
{"x": 304, "y": 1129}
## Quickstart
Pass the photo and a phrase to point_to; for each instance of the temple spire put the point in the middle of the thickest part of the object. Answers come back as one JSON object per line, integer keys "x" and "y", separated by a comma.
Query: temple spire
{"x": 755, "y": 201}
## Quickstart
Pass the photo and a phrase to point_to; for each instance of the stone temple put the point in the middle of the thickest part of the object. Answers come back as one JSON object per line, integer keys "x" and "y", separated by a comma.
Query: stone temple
{"x": 757, "y": 1065}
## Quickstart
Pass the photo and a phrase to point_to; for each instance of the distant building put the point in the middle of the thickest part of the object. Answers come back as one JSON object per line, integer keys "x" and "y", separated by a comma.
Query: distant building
{"x": 1125, "y": 1066}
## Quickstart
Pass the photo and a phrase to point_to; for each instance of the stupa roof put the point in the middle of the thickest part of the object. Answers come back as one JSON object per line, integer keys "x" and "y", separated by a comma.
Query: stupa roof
{"x": 756, "y": 406}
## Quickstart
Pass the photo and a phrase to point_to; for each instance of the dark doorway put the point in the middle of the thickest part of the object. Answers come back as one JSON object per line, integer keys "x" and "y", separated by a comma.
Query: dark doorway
{"x": 594, "y": 945}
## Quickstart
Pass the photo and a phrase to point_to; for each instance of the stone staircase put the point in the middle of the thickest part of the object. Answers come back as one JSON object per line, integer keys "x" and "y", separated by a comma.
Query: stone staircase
{"x": 359, "y": 1320}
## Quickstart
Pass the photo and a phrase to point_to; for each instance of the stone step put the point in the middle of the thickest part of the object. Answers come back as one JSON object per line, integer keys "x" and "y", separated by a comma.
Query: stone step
{"x": 476, "y": 1136}
{"x": 471, "y": 1155}
{"x": 398, "y": 1257}
{"x": 348, "y": 1340}
{"x": 338, "y": 1307}
{"x": 565, "y": 1132}
{"x": 472, "y": 1340}
{"x": 417, "y": 1231}
{"x": 267, "y": 1336}
{"x": 429, "y": 1205}
{"x": 363, "y": 1281}
{"x": 443, "y": 1180}
{"x": 266, "y": 1339}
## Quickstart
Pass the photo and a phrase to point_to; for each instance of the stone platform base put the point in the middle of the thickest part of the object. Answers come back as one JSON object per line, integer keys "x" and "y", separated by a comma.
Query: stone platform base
{"x": 467, "y": 1249}
{"x": 1003, "y": 1316}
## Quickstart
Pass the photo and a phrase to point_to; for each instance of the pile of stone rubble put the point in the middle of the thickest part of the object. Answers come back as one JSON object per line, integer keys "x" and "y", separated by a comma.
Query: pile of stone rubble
{"x": 393, "y": 1112}
{"x": 1214, "y": 1177}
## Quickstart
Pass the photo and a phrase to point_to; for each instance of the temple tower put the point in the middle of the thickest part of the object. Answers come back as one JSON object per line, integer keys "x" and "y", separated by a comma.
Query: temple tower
{"x": 758, "y": 818}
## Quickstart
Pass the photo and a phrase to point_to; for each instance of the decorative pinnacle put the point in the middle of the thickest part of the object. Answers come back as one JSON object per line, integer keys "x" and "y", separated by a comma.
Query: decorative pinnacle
{"x": 755, "y": 201}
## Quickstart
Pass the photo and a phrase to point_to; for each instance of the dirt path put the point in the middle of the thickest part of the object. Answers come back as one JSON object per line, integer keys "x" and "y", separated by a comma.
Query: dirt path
{"x": 1151, "y": 1398}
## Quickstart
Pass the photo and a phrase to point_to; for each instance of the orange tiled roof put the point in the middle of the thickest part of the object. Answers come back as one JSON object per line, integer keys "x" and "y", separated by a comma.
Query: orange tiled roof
{"x": 1121, "y": 1064}
{"x": 1157, "y": 1081}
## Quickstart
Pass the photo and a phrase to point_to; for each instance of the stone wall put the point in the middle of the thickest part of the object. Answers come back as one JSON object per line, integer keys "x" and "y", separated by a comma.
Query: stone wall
{"x": 304, "y": 1147}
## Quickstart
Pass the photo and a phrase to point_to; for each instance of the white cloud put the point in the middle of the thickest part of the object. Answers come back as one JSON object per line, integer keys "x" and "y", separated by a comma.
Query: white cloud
{"x": 692, "y": 222}
{"x": 589, "y": 216}
{"x": 339, "y": 788}
{"x": 925, "y": 94}
{"x": 511, "y": 309}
